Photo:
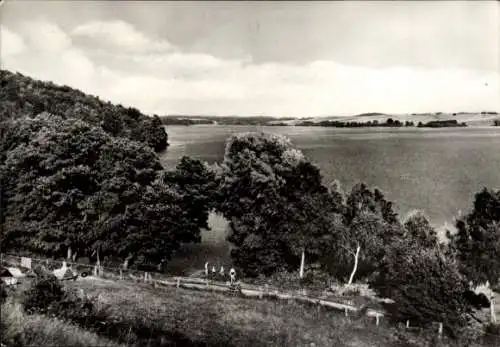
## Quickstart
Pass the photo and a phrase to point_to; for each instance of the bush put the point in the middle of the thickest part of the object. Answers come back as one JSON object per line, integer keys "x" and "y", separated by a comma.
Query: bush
{"x": 493, "y": 329}
{"x": 3, "y": 292}
{"x": 45, "y": 292}
{"x": 426, "y": 287}
{"x": 20, "y": 329}
{"x": 492, "y": 334}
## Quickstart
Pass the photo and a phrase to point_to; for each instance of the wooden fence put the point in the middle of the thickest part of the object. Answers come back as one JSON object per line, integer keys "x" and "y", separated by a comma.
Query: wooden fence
{"x": 343, "y": 304}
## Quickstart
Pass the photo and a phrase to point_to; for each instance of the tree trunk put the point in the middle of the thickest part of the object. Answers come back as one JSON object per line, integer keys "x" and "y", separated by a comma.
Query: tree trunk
{"x": 98, "y": 264}
{"x": 126, "y": 263}
{"x": 492, "y": 310}
{"x": 302, "y": 261}
{"x": 356, "y": 257}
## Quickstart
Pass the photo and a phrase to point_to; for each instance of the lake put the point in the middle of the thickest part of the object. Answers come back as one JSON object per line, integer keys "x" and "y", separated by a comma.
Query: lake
{"x": 434, "y": 170}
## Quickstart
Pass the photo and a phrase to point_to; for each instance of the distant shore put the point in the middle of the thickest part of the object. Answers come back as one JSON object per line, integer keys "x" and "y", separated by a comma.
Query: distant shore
{"x": 430, "y": 120}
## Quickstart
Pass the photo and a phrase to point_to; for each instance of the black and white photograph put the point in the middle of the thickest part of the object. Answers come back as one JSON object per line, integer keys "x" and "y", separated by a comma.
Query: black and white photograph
{"x": 249, "y": 173}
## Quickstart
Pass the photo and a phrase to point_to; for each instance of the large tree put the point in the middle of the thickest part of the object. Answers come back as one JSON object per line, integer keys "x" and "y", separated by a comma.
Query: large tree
{"x": 477, "y": 241}
{"x": 426, "y": 287}
{"x": 68, "y": 184}
{"x": 370, "y": 226}
{"x": 275, "y": 201}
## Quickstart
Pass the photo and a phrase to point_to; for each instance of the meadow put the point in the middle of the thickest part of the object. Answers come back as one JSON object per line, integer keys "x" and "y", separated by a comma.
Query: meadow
{"x": 136, "y": 314}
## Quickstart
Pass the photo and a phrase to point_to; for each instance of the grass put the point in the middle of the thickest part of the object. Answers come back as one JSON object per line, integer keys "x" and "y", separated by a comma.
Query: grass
{"x": 20, "y": 329}
{"x": 218, "y": 320}
{"x": 137, "y": 314}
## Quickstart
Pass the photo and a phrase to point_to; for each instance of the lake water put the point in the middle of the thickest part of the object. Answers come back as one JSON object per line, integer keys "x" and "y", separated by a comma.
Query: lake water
{"x": 434, "y": 170}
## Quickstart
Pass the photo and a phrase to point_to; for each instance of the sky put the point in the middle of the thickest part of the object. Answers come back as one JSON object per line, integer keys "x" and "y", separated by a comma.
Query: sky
{"x": 282, "y": 59}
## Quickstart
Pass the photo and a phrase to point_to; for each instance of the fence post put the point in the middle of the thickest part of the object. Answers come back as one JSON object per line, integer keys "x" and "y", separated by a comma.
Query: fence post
{"x": 178, "y": 282}
{"x": 260, "y": 293}
{"x": 145, "y": 277}
{"x": 346, "y": 314}
{"x": 407, "y": 324}
{"x": 440, "y": 330}
{"x": 121, "y": 274}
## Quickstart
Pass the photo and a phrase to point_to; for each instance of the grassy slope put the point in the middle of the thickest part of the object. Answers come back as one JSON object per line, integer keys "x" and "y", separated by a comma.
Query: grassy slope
{"x": 39, "y": 330}
{"x": 221, "y": 320}
{"x": 202, "y": 319}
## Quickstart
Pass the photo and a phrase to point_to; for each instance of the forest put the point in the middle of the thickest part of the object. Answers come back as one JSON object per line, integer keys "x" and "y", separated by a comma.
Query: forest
{"x": 81, "y": 174}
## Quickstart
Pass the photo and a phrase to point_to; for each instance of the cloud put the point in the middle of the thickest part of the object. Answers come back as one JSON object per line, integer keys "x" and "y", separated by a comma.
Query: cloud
{"x": 10, "y": 43}
{"x": 123, "y": 65}
{"x": 119, "y": 35}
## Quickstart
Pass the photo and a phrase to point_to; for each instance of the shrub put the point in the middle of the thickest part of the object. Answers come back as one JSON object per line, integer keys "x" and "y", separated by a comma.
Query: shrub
{"x": 3, "y": 292}
{"x": 20, "y": 329}
{"x": 426, "y": 287}
{"x": 45, "y": 292}
{"x": 492, "y": 334}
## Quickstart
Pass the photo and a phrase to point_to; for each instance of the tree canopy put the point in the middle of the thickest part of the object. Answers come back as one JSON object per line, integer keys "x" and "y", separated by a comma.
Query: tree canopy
{"x": 275, "y": 201}
{"x": 23, "y": 96}
{"x": 68, "y": 183}
{"x": 477, "y": 241}
{"x": 426, "y": 287}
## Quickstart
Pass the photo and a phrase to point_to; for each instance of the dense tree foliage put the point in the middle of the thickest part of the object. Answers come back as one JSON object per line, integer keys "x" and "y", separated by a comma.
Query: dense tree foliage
{"x": 197, "y": 183}
{"x": 23, "y": 96}
{"x": 419, "y": 232}
{"x": 425, "y": 285}
{"x": 370, "y": 225}
{"x": 276, "y": 203}
{"x": 69, "y": 184}
{"x": 278, "y": 207}
{"x": 477, "y": 242}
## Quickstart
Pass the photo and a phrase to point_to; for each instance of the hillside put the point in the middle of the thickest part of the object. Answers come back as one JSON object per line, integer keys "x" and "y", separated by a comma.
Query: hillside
{"x": 471, "y": 119}
{"x": 24, "y": 96}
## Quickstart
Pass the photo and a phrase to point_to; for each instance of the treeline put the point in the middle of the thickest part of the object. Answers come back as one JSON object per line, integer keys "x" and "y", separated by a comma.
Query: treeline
{"x": 220, "y": 120}
{"x": 23, "y": 96}
{"x": 388, "y": 123}
{"x": 353, "y": 124}
{"x": 442, "y": 124}
{"x": 184, "y": 121}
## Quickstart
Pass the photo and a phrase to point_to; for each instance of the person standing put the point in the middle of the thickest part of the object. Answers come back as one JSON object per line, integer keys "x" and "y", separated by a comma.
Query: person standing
{"x": 232, "y": 274}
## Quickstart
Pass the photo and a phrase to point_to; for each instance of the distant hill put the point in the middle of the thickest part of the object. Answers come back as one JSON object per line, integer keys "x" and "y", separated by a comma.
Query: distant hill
{"x": 220, "y": 120}
{"x": 24, "y": 96}
{"x": 470, "y": 118}
{"x": 372, "y": 114}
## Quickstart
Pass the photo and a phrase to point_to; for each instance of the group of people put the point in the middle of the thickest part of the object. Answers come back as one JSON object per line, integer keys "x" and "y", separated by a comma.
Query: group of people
{"x": 213, "y": 274}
